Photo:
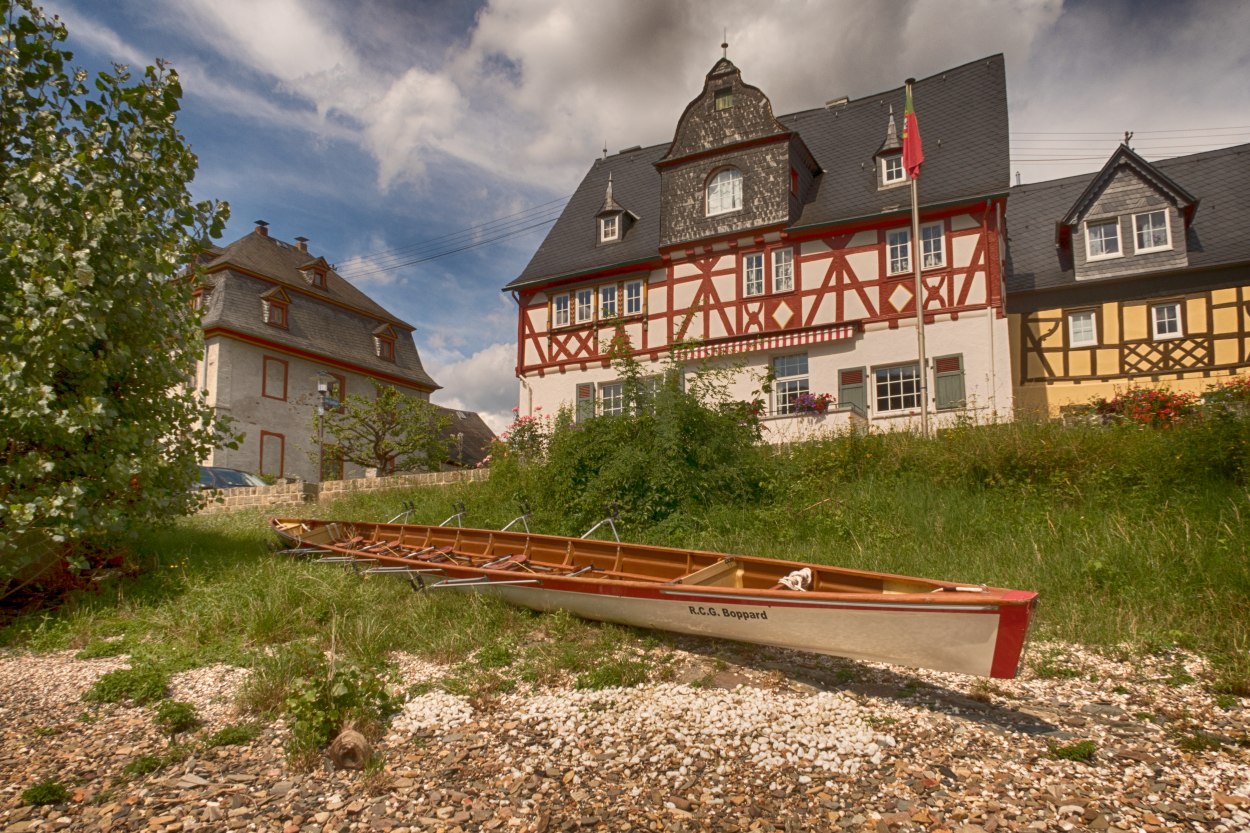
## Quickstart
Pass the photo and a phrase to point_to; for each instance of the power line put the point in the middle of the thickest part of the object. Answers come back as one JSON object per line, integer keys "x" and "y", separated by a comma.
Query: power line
{"x": 1121, "y": 132}
{"x": 436, "y": 255}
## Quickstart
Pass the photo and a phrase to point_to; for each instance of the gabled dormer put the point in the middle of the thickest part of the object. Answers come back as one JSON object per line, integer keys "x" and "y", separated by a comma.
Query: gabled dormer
{"x": 384, "y": 338}
{"x": 1131, "y": 218}
{"x": 731, "y": 167}
{"x": 889, "y": 158}
{"x": 315, "y": 272}
{"x": 275, "y": 308}
{"x": 613, "y": 221}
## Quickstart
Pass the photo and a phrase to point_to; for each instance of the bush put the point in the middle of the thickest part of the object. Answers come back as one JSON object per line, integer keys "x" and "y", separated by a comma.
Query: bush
{"x": 240, "y": 734}
{"x": 46, "y": 792}
{"x": 174, "y": 716}
{"x": 320, "y": 707}
{"x": 1153, "y": 408}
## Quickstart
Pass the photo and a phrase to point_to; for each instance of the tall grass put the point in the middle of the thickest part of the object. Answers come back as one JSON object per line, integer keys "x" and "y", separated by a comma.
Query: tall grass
{"x": 1131, "y": 536}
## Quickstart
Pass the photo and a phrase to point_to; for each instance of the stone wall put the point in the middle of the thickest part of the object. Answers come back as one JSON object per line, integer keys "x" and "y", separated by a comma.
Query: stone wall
{"x": 300, "y": 492}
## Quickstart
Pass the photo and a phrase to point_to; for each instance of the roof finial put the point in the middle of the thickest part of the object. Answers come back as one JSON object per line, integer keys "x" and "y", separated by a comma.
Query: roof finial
{"x": 1128, "y": 134}
{"x": 725, "y": 43}
{"x": 605, "y": 148}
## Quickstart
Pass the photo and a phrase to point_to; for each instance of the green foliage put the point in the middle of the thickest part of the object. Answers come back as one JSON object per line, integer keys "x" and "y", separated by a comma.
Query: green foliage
{"x": 1082, "y": 751}
{"x": 45, "y": 792}
{"x": 390, "y": 432}
{"x": 140, "y": 686}
{"x": 619, "y": 672}
{"x": 174, "y": 716}
{"x": 320, "y": 707}
{"x": 144, "y": 765}
{"x": 101, "y": 648}
{"x": 97, "y": 334}
{"x": 239, "y": 734}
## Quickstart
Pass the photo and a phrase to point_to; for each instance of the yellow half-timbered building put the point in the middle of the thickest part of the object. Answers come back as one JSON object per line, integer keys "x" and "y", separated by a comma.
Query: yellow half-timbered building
{"x": 1136, "y": 276}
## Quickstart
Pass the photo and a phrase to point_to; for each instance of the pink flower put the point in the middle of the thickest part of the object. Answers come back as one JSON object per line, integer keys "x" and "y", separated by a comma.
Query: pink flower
{"x": 515, "y": 409}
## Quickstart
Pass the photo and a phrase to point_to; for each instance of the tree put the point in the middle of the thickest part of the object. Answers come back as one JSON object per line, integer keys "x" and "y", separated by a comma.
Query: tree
{"x": 98, "y": 431}
{"x": 391, "y": 432}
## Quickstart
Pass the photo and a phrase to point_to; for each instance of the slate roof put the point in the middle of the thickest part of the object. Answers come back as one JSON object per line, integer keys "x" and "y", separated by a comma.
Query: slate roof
{"x": 473, "y": 446}
{"x": 962, "y": 115}
{"x": 1218, "y": 179}
{"x": 337, "y": 332}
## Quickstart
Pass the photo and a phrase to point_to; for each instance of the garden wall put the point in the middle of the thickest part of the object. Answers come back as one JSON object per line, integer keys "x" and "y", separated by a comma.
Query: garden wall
{"x": 299, "y": 492}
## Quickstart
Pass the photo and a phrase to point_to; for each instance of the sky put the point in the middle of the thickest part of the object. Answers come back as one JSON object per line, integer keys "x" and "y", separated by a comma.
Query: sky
{"x": 425, "y": 146}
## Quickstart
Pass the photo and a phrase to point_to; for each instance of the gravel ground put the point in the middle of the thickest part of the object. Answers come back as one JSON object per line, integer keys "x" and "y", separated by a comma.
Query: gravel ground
{"x": 734, "y": 739}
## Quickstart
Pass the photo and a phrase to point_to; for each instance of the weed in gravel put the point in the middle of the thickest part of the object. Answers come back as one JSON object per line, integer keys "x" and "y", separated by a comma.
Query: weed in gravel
{"x": 239, "y": 734}
{"x": 143, "y": 765}
{"x": 1082, "y": 751}
{"x": 1198, "y": 741}
{"x": 45, "y": 731}
{"x": 140, "y": 686}
{"x": 614, "y": 673}
{"x": 1054, "y": 664}
{"x": 174, "y": 716}
{"x": 46, "y": 792}
{"x": 98, "y": 648}
{"x": 1226, "y": 702}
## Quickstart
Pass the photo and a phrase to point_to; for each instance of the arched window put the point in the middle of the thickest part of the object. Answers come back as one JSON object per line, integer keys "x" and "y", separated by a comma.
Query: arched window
{"x": 724, "y": 192}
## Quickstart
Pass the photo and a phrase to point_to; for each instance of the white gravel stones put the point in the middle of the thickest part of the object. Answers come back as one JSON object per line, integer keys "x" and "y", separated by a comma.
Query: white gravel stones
{"x": 671, "y": 727}
{"x": 424, "y": 712}
{"x": 212, "y": 690}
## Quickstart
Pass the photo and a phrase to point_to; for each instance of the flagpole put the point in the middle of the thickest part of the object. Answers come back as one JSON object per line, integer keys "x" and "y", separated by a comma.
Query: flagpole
{"x": 916, "y": 256}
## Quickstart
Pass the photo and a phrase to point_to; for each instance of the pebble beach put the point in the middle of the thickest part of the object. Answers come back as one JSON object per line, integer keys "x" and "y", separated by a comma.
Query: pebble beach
{"x": 726, "y": 738}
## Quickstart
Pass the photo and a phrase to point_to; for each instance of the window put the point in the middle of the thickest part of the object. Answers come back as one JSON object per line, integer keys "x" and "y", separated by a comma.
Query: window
{"x": 1152, "y": 231}
{"x": 607, "y": 301}
{"x": 560, "y": 311}
{"x": 585, "y": 310}
{"x": 724, "y": 98}
{"x": 317, "y": 278}
{"x": 272, "y": 452}
{"x": 783, "y": 270}
{"x": 932, "y": 246}
{"x": 948, "y": 382}
{"x": 753, "y": 274}
{"x": 273, "y": 378}
{"x": 338, "y": 391}
{"x": 1102, "y": 239}
{"x": 791, "y": 380}
{"x": 794, "y": 181}
{"x": 274, "y": 313}
{"x": 1082, "y": 329}
{"x": 384, "y": 347}
{"x": 609, "y": 228}
{"x": 612, "y": 398}
{"x": 897, "y": 388}
{"x": 584, "y": 401}
{"x": 892, "y": 172}
{"x": 898, "y": 251}
{"x": 633, "y": 298}
{"x": 201, "y": 298}
{"x": 1166, "y": 320}
{"x": 724, "y": 192}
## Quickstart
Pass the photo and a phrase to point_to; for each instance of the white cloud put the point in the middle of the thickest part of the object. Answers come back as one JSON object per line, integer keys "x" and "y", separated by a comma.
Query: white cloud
{"x": 484, "y": 382}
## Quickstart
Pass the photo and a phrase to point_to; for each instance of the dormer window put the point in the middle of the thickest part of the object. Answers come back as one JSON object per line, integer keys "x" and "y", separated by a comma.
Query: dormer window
{"x": 724, "y": 98}
{"x": 1152, "y": 231}
{"x": 317, "y": 278}
{"x": 201, "y": 297}
{"x": 892, "y": 172}
{"x": 1102, "y": 239}
{"x": 384, "y": 343}
{"x": 609, "y": 228}
{"x": 724, "y": 192}
{"x": 273, "y": 308}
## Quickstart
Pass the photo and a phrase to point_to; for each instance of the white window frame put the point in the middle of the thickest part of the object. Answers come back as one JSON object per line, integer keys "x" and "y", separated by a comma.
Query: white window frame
{"x": 609, "y": 228}
{"x": 926, "y": 238}
{"x": 612, "y": 398}
{"x": 1083, "y": 315}
{"x": 560, "y": 310}
{"x": 898, "y": 251}
{"x": 892, "y": 174}
{"x": 899, "y": 387}
{"x": 1174, "y": 319}
{"x": 1090, "y": 225}
{"x": 752, "y": 274}
{"x": 1167, "y": 231}
{"x": 633, "y": 297}
{"x": 790, "y": 378}
{"x": 607, "y": 301}
{"x": 724, "y": 192}
{"x": 584, "y": 305}
{"x": 783, "y": 270}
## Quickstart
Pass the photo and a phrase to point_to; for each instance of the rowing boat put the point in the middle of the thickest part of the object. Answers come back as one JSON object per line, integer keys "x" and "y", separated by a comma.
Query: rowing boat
{"x": 862, "y": 615}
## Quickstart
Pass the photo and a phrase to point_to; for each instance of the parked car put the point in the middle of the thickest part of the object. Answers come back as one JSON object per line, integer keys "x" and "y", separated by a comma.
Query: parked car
{"x": 216, "y": 477}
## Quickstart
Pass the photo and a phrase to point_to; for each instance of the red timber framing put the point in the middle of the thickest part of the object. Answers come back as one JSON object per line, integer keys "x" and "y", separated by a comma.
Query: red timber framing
{"x": 827, "y": 291}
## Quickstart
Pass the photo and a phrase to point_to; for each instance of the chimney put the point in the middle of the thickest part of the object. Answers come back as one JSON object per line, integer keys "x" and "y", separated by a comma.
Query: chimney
{"x": 262, "y": 228}
{"x": 302, "y": 243}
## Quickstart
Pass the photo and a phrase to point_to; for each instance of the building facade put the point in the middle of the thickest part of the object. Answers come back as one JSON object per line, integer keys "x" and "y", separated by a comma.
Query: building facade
{"x": 1138, "y": 275}
{"x": 278, "y": 323}
{"x": 782, "y": 247}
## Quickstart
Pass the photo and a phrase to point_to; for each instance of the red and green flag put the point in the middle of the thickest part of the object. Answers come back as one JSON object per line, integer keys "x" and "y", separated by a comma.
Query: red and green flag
{"x": 913, "y": 153}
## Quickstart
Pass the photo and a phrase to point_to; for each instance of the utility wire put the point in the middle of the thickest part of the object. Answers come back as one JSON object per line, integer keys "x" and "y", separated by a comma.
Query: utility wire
{"x": 436, "y": 255}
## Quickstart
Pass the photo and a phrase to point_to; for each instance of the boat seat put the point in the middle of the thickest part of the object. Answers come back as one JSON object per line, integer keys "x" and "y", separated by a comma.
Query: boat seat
{"x": 507, "y": 562}
{"x": 723, "y": 573}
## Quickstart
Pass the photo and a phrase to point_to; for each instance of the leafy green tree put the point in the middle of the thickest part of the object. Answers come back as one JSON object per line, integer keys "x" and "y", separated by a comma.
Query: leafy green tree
{"x": 390, "y": 432}
{"x": 98, "y": 432}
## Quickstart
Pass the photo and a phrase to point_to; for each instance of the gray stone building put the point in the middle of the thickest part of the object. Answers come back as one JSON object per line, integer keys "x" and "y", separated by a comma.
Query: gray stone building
{"x": 278, "y": 322}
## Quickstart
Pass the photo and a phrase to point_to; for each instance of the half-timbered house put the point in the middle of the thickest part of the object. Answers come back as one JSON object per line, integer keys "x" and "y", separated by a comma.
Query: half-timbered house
{"x": 1136, "y": 275}
{"x": 782, "y": 246}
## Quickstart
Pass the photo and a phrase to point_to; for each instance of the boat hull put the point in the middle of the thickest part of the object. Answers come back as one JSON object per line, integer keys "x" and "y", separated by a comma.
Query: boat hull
{"x": 876, "y": 617}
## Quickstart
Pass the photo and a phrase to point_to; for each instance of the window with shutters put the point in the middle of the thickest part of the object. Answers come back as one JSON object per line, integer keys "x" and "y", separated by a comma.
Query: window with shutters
{"x": 851, "y": 389}
{"x": 612, "y": 398}
{"x": 584, "y": 401}
{"x": 897, "y": 388}
{"x": 948, "y": 382}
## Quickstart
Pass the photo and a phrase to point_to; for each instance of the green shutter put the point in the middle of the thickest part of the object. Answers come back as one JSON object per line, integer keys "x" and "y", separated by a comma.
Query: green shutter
{"x": 585, "y": 401}
{"x": 852, "y": 389}
{"x": 948, "y": 379}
